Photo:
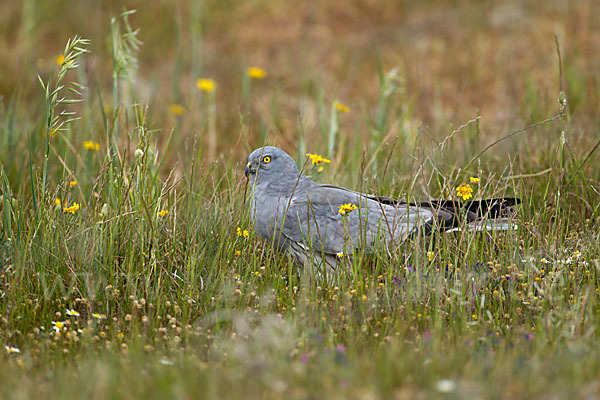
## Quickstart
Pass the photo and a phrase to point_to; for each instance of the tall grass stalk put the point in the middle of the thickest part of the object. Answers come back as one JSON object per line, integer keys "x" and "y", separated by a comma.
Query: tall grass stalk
{"x": 125, "y": 45}
{"x": 56, "y": 120}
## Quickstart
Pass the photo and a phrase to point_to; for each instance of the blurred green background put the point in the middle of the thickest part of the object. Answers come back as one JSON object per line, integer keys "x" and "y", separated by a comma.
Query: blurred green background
{"x": 454, "y": 60}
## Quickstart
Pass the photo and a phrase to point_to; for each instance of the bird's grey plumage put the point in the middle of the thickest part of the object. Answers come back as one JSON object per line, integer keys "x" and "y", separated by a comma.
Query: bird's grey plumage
{"x": 302, "y": 217}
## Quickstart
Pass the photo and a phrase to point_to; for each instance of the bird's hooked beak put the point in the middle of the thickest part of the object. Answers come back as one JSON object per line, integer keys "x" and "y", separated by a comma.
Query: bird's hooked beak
{"x": 248, "y": 169}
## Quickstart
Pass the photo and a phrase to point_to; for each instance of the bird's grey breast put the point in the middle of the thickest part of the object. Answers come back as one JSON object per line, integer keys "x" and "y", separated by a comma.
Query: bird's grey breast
{"x": 268, "y": 208}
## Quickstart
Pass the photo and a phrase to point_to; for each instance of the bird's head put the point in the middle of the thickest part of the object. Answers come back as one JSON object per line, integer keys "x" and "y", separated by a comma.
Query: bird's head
{"x": 271, "y": 165}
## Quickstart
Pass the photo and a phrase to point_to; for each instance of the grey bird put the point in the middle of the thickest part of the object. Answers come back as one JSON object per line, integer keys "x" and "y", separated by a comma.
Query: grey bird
{"x": 321, "y": 225}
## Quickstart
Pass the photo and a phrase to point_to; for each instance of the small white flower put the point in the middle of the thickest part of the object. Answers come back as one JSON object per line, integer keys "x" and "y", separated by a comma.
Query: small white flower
{"x": 165, "y": 361}
{"x": 340, "y": 254}
{"x": 58, "y": 326}
{"x": 139, "y": 153}
{"x": 97, "y": 316}
{"x": 72, "y": 313}
{"x": 12, "y": 350}
{"x": 445, "y": 386}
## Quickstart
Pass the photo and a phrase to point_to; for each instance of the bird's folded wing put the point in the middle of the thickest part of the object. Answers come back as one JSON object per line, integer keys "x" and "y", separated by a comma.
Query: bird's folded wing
{"x": 314, "y": 218}
{"x": 320, "y": 195}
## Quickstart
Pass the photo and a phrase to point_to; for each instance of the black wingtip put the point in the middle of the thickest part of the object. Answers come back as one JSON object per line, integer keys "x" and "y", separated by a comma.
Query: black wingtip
{"x": 491, "y": 208}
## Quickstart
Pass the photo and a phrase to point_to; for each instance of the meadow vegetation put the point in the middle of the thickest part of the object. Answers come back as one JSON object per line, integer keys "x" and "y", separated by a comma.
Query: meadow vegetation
{"x": 128, "y": 263}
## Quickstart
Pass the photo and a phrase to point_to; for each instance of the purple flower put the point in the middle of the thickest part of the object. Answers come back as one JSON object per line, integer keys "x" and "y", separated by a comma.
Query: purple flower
{"x": 317, "y": 337}
{"x": 410, "y": 268}
{"x": 397, "y": 281}
{"x": 304, "y": 358}
{"x": 340, "y": 353}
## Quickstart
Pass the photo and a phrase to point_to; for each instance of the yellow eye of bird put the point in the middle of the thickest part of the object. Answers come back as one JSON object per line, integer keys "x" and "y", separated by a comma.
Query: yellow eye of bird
{"x": 267, "y": 159}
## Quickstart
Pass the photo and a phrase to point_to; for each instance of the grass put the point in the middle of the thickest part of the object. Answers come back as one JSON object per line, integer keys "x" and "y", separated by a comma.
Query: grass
{"x": 168, "y": 300}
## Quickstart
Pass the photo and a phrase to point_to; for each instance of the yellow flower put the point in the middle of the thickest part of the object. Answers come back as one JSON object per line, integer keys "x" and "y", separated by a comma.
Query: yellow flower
{"x": 317, "y": 159}
{"x": 346, "y": 208}
{"x": 430, "y": 255}
{"x": 73, "y": 208}
{"x": 91, "y": 145}
{"x": 57, "y": 201}
{"x": 340, "y": 254}
{"x": 256, "y": 73}
{"x": 207, "y": 85}
{"x": 178, "y": 109}
{"x": 242, "y": 232}
{"x": 238, "y": 252}
{"x": 96, "y": 315}
{"x": 73, "y": 183}
{"x": 60, "y": 60}
{"x": 474, "y": 179}
{"x": 342, "y": 107}
{"x": 162, "y": 213}
{"x": 474, "y": 316}
{"x": 465, "y": 191}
